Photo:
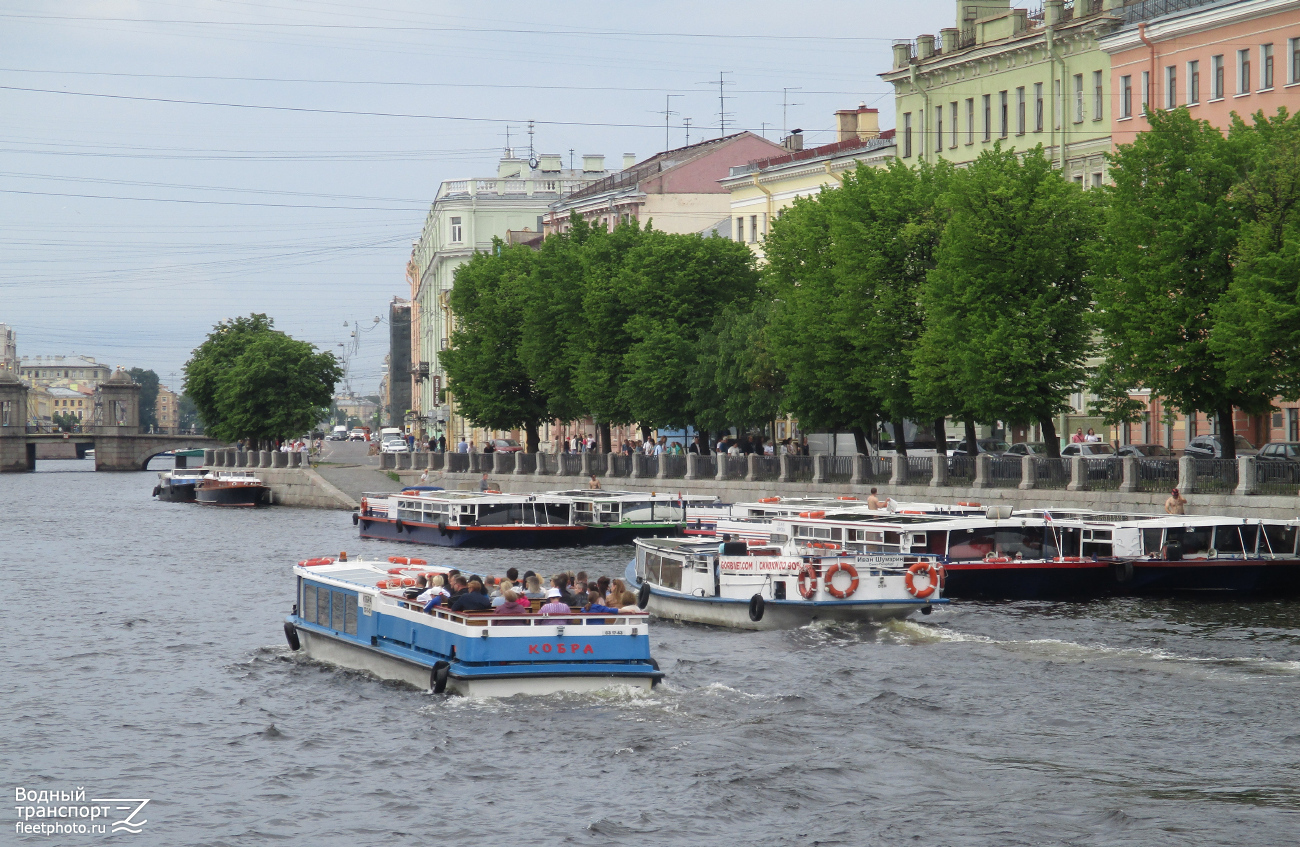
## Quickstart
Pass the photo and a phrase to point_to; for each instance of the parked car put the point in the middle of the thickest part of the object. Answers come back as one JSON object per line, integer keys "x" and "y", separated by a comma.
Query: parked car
{"x": 1209, "y": 447}
{"x": 1089, "y": 449}
{"x": 395, "y": 445}
{"x": 958, "y": 455}
{"x": 1027, "y": 448}
{"x": 1154, "y": 461}
{"x": 359, "y": 434}
{"x": 505, "y": 445}
{"x": 1144, "y": 451}
{"x": 1280, "y": 451}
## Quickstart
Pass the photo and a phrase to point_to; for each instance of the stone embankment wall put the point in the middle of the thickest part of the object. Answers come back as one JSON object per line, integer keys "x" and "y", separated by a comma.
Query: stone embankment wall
{"x": 291, "y": 484}
{"x": 519, "y": 473}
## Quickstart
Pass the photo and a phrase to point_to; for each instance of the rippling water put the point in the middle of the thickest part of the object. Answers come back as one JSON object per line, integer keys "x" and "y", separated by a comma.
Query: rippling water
{"x": 146, "y": 659}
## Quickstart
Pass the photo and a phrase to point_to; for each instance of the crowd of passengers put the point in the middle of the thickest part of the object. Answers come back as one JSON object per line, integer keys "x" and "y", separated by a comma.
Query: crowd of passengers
{"x": 513, "y": 594}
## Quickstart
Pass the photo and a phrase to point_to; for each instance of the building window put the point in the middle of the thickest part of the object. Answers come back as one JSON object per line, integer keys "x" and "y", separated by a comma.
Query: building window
{"x": 953, "y": 110}
{"x": 938, "y": 129}
{"x": 1038, "y": 107}
{"x": 1020, "y": 110}
{"x": 988, "y": 117}
{"x": 740, "y": 229}
{"x": 907, "y": 135}
{"x": 1171, "y": 87}
{"x": 1098, "y": 105}
{"x": 456, "y": 231}
{"x": 1004, "y": 113}
{"x": 753, "y": 229}
{"x": 1096, "y": 180}
{"x": 970, "y": 120}
{"x": 1193, "y": 83}
{"x": 1126, "y": 96}
{"x": 1057, "y": 114}
{"x": 1266, "y": 66}
{"x": 1243, "y": 71}
{"x": 1294, "y": 45}
{"x": 1216, "y": 81}
{"x": 1146, "y": 91}
{"x": 1078, "y": 98}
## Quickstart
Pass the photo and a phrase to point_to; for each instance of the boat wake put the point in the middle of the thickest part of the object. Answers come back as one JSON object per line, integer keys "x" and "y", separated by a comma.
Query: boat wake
{"x": 1072, "y": 651}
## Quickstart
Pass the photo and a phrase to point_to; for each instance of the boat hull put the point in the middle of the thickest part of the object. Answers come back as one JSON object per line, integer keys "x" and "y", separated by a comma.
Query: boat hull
{"x": 1069, "y": 580}
{"x": 512, "y": 537}
{"x": 230, "y": 495}
{"x": 777, "y": 614}
{"x": 342, "y": 653}
{"x": 170, "y": 493}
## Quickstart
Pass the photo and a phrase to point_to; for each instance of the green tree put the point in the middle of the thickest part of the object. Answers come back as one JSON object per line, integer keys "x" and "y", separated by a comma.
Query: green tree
{"x": 805, "y": 343}
{"x": 1257, "y": 322}
{"x": 734, "y": 381}
{"x": 487, "y": 376}
{"x": 885, "y": 231}
{"x": 148, "y": 382}
{"x": 250, "y": 382}
{"x": 187, "y": 414}
{"x": 1165, "y": 261}
{"x": 1006, "y": 305}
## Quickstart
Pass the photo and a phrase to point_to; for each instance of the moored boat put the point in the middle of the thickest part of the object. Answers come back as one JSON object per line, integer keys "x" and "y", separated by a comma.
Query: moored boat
{"x": 747, "y": 586}
{"x": 488, "y": 519}
{"x": 355, "y": 615}
{"x": 178, "y": 485}
{"x": 230, "y": 488}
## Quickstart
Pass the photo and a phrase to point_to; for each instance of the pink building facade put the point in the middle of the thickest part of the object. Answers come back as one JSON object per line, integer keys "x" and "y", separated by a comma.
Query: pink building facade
{"x": 1213, "y": 58}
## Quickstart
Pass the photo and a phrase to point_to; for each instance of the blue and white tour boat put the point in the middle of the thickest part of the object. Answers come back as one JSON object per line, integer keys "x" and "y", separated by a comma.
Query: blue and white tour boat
{"x": 355, "y": 614}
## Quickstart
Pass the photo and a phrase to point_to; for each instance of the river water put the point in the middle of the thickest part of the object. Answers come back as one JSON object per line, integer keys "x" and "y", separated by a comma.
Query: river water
{"x": 146, "y": 659}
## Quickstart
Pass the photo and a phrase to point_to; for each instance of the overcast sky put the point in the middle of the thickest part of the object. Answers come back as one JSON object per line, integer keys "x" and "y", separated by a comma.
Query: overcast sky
{"x": 164, "y": 165}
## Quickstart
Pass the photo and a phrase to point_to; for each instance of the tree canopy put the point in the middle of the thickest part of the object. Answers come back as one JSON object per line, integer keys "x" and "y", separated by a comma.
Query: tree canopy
{"x": 148, "y": 382}
{"x": 251, "y": 382}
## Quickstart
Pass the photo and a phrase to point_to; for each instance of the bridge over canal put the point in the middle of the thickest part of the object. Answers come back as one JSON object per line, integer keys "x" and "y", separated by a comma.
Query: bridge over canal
{"x": 116, "y": 438}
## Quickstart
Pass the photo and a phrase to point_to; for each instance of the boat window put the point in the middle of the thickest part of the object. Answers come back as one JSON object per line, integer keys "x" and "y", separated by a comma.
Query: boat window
{"x": 345, "y": 612}
{"x": 866, "y": 535}
{"x": 935, "y": 542}
{"x": 970, "y": 545}
{"x": 500, "y": 514}
{"x": 1152, "y": 539}
{"x": 1249, "y": 537}
{"x": 652, "y": 561}
{"x": 557, "y": 513}
{"x": 670, "y": 575}
{"x": 1279, "y": 539}
{"x": 323, "y": 606}
{"x": 1195, "y": 539}
{"x": 308, "y": 602}
{"x": 837, "y": 534}
{"x": 1227, "y": 539}
{"x": 891, "y": 537}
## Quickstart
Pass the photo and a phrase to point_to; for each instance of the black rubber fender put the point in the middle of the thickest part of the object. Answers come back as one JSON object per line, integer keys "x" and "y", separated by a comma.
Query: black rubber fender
{"x": 356, "y": 519}
{"x": 654, "y": 664}
{"x": 1123, "y": 572}
{"x": 757, "y": 605}
{"x": 442, "y": 529}
{"x": 291, "y": 635}
{"x": 157, "y": 489}
{"x": 397, "y": 524}
{"x": 438, "y": 676}
{"x": 643, "y": 597}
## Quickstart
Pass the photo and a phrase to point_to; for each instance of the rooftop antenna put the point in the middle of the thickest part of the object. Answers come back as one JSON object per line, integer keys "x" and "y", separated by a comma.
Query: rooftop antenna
{"x": 668, "y": 110}
{"x": 722, "y": 103}
{"x": 763, "y": 129}
{"x": 510, "y": 154}
{"x": 687, "y": 121}
{"x": 570, "y": 158}
{"x": 785, "y": 106}
{"x": 531, "y": 154}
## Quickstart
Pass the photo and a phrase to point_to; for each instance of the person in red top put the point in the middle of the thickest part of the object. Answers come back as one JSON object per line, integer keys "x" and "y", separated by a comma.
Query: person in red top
{"x": 1078, "y": 437}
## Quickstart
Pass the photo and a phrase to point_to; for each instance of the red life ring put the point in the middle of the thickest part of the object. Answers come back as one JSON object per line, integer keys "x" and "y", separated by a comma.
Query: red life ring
{"x": 311, "y": 563}
{"x": 808, "y": 581}
{"x": 817, "y": 514}
{"x": 830, "y": 577}
{"x": 932, "y": 573}
{"x": 769, "y": 500}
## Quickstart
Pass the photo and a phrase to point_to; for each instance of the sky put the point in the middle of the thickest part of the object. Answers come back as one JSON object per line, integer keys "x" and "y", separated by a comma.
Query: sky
{"x": 166, "y": 165}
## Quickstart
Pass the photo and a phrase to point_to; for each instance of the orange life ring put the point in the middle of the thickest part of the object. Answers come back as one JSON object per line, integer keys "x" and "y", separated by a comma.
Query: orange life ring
{"x": 769, "y": 500}
{"x": 846, "y": 498}
{"x": 931, "y": 571}
{"x": 830, "y": 576}
{"x": 807, "y": 581}
{"x": 812, "y": 514}
{"x": 972, "y": 503}
{"x": 311, "y": 563}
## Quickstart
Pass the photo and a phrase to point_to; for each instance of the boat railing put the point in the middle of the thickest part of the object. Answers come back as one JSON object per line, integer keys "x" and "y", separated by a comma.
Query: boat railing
{"x": 491, "y": 618}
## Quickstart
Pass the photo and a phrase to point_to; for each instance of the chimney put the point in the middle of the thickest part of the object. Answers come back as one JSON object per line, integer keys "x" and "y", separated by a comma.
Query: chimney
{"x": 550, "y": 163}
{"x": 794, "y": 141}
{"x": 629, "y": 159}
{"x": 902, "y": 53}
{"x": 593, "y": 163}
{"x": 924, "y": 46}
{"x": 1053, "y": 12}
{"x": 509, "y": 168}
{"x": 846, "y": 124}
{"x": 868, "y": 122}
{"x": 948, "y": 38}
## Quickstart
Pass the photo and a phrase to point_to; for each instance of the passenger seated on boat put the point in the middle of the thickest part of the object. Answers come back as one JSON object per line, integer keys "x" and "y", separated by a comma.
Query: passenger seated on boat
{"x": 513, "y": 605}
{"x": 628, "y": 601}
{"x": 533, "y": 587}
{"x": 512, "y": 574}
{"x": 602, "y": 585}
{"x": 499, "y": 596}
{"x": 560, "y": 584}
{"x": 599, "y": 608}
{"x": 421, "y": 585}
{"x": 434, "y": 595}
{"x": 474, "y": 599}
{"x": 459, "y": 584}
{"x": 555, "y": 604}
{"x": 580, "y": 595}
